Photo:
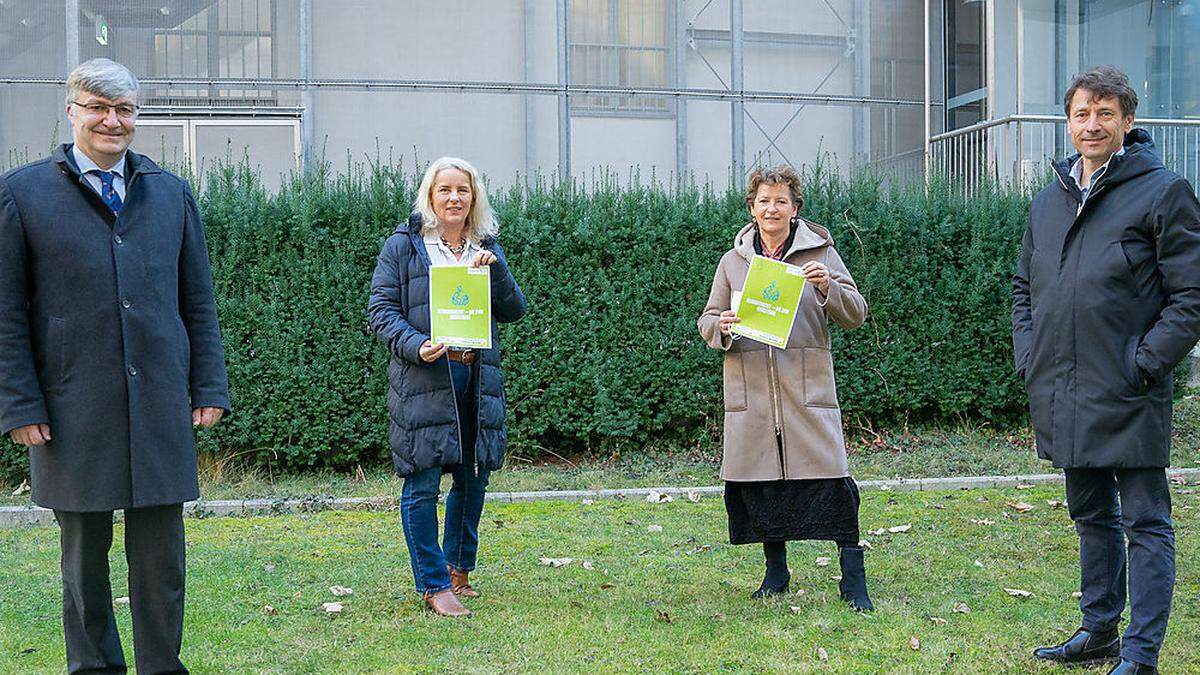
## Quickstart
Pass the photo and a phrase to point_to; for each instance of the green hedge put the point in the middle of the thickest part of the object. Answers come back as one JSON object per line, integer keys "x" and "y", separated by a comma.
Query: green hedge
{"x": 608, "y": 357}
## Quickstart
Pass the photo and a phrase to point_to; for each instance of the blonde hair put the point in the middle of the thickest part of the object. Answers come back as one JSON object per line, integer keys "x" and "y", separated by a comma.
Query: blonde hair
{"x": 481, "y": 222}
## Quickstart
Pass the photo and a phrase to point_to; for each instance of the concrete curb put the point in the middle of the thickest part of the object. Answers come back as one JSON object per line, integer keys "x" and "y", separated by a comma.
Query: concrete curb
{"x": 18, "y": 516}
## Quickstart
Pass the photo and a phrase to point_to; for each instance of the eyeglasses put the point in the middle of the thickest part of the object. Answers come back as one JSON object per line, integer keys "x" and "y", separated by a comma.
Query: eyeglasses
{"x": 125, "y": 111}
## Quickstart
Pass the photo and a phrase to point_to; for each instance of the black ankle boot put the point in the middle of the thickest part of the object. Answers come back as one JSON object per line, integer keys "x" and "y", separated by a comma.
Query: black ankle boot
{"x": 853, "y": 585}
{"x": 777, "y": 577}
{"x": 1084, "y": 648}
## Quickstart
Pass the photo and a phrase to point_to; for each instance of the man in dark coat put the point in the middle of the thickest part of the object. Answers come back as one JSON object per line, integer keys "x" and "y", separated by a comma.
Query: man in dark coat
{"x": 109, "y": 354}
{"x": 1106, "y": 301}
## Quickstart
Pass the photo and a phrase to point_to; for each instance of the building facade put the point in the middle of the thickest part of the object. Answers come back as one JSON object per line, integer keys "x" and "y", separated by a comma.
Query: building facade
{"x": 706, "y": 88}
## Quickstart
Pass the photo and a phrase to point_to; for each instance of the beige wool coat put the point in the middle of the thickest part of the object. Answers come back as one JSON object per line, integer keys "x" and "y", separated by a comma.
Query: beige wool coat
{"x": 790, "y": 389}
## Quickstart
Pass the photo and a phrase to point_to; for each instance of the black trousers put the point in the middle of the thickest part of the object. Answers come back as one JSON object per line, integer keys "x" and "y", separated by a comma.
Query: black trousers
{"x": 1110, "y": 506}
{"x": 154, "y": 548}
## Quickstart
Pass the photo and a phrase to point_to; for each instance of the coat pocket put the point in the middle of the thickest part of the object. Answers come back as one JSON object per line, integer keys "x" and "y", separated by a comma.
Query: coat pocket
{"x": 735, "y": 382}
{"x": 819, "y": 388}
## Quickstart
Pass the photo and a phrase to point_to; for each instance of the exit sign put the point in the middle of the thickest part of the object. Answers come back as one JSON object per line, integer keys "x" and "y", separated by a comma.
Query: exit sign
{"x": 101, "y": 29}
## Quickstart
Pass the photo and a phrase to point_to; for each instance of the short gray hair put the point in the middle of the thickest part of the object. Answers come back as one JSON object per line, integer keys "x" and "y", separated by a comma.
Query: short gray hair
{"x": 101, "y": 77}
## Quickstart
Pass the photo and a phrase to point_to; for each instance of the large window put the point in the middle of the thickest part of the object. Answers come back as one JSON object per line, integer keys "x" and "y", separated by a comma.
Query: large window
{"x": 621, "y": 43}
{"x": 966, "y": 63}
{"x": 225, "y": 39}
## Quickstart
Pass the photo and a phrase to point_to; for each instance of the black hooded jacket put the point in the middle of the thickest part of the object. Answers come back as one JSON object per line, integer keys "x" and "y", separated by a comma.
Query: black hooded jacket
{"x": 1106, "y": 301}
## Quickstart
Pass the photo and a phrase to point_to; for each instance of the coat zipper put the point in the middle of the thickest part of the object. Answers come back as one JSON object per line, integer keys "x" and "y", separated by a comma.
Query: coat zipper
{"x": 776, "y": 412}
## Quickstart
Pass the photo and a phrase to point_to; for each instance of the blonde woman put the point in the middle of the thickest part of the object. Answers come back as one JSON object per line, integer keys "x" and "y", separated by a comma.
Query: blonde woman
{"x": 784, "y": 459}
{"x": 446, "y": 406}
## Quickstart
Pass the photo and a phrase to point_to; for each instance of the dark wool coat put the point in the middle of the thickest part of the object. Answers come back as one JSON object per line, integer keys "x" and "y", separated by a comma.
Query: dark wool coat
{"x": 108, "y": 333}
{"x": 424, "y": 426}
{"x": 1106, "y": 301}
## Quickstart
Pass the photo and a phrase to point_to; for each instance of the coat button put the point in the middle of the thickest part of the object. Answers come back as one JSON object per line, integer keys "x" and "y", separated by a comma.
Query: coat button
{"x": 126, "y": 304}
{"x": 132, "y": 371}
{"x": 117, "y": 239}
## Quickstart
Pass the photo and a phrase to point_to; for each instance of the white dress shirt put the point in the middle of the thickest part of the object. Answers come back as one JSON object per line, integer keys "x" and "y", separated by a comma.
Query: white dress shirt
{"x": 89, "y": 168}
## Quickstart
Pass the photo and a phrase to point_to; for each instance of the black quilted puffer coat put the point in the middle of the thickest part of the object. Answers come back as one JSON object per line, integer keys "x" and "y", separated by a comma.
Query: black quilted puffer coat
{"x": 420, "y": 401}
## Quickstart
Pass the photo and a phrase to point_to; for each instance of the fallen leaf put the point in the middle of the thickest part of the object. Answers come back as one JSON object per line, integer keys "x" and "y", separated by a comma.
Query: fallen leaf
{"x": 796, "y": 609}
{"x": 654, "y": 528}
{"x": 863, "y": 543}
{"x": 606, "y": 585}
{"x": 555, "y": 562}
{"x": 1021, "y": 507}
{"x": 981, "y": 500}
{"x": 1055, "y": 503}
{"x": 914, "y": 643}
{"x": 21, "y": 489}
{"x": 938, "y": 621}
{"x": 822, "y": 654}
{"x": 269, "y": 610}
{"x": 1018, "y": 593}
{"x": 823, "y": 561}
{"x": 835, "y": 577}
{"x": 719, "y": 616}
{"x": 296, "y": 594}
{"x": 124, "y": 600}
{"x": 268, "y": 567}
{"x": 498, "y": 523}
{"x": 587, "y": 565}
{"x": 900, "y": 528}
{"x": 1077, "y": 595}
{"x": 655, "y": 497}
{"x": 643, "y": 552}
{"x": 978, "y": 564}
{"x": 341, "y": 591}
{"x": 660, "y": 615}
{"x": 876, "y": 533}
{"x": 332, "y": 607}
{"x": 982, "y": 521}
{"x": 800, "y": 591}
{"x": 961, "y": 608}
{"x": 1024, "y": 486}
{"x": 588, "y": 502}
{"x": 694, "y": 497}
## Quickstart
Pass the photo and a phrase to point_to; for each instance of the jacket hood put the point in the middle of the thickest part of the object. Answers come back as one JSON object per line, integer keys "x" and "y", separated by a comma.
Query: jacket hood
{"x": 809, "y": 235}
{"x": 1140, "y": 158}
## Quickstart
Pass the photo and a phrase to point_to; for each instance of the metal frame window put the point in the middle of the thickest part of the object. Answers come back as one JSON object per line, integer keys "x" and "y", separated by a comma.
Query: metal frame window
{"x": 965, "y": 73}
{"x": 621, "y": 43}
{"x": 226, "y": 39}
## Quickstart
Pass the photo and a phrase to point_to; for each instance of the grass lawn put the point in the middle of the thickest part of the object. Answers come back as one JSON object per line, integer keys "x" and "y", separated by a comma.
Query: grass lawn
{"x": 674, "y": 599}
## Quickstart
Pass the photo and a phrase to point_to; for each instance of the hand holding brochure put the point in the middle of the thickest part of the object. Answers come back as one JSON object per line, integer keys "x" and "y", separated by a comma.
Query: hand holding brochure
{"x": 460, "y": 306}
{"x": 769, "y": 300}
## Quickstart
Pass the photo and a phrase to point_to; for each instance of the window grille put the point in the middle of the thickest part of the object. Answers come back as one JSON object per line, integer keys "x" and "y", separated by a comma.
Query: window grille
{"x": 621, "y": 43}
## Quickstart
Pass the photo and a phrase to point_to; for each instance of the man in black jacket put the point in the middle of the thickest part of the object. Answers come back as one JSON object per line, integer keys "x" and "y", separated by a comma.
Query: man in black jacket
{"x": 110, "y": 353}
{"x": 1106, "y": 301}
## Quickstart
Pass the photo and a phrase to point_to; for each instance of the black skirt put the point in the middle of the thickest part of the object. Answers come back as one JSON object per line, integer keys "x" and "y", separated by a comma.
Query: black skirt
{"x": 790, "y": 510}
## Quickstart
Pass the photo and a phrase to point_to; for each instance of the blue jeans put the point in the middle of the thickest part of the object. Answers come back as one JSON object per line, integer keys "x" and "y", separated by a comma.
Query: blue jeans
{"x": 1111, "y": 507}
{"x": 464, "y": 506}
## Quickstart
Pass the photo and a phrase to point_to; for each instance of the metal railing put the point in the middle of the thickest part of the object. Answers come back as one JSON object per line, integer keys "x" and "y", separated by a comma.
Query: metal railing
{"x": 1019, "y": 149}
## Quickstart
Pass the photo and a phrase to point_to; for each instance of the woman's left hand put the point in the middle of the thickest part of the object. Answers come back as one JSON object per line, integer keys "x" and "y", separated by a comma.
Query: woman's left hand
{"x": 483, "y": 258}
{"x": 817, "y": 274}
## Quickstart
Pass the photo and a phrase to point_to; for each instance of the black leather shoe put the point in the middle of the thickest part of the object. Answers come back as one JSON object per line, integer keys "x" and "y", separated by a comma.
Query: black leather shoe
{"x": 1127, "y": 667}
{"x": 1084, "y": 648}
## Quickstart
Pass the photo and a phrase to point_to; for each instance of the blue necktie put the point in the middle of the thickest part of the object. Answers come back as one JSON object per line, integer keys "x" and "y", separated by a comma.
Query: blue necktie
{"x": 108, "y": 193}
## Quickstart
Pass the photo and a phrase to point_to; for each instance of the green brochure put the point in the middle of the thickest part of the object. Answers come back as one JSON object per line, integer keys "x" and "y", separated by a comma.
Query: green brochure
{"x": 460, "y": 306}
{"x": 768, "y": 302}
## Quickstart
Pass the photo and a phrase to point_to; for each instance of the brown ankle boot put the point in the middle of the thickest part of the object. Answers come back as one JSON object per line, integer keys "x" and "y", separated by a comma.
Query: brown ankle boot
{"x": 445, "y": 603}
{"x": 459, "y": 583}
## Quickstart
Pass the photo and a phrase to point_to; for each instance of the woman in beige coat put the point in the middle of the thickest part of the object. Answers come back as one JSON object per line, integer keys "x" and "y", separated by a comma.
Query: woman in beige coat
{"x": 784, "y": 464}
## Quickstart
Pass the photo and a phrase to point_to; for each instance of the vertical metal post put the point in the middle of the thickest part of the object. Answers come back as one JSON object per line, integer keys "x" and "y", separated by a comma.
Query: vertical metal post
{"x": 1020, "y": 93}
{"x": 306, "y": 72}
{"x": 564, "y": 108}
{"x": 71, "y": 8}
{"x": 529, "y": 9}
{"x": 682, "y": 30}
{"x": 737, "y": 112}
{"x": 862, "y": 80}
{"x": 928, "y": 94}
